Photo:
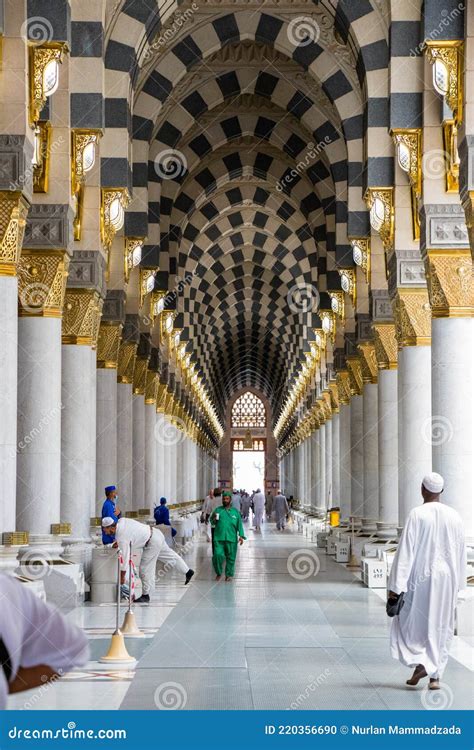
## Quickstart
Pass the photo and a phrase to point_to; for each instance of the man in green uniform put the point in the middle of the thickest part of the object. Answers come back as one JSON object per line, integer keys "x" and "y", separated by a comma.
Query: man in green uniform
{"x": 227, "y": 524}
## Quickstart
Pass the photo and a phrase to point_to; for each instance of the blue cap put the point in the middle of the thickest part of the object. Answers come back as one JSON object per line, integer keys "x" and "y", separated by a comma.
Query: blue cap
{"x": 162, "y": 500}
{"x": 110, "y": 489}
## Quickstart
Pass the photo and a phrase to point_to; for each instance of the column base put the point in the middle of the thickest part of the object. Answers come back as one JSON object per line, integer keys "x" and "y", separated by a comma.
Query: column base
{"x": 357, "y": 522}
{"x": 78, "y": 550}
{"x": 369, "y": 524}
{"x": 8, "y": 558}
{"x": 387, "y": 530}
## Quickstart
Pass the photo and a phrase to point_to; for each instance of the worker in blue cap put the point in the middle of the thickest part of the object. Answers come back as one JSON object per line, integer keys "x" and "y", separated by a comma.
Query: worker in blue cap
{"x": 162, "y": 515}
{"x": 110, "y": 509}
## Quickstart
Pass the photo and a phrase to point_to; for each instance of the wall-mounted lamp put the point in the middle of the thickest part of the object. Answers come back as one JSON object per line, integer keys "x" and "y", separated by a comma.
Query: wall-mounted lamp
{"x": 380, "y": 204}
{"x": 112, "y": 216}
{"x": 348, "y": 283}
{"x": 132, "y": 256}
{"x": 447, "y": 59}
{"x": 361, "y": 254}
{"x": 83, "y": 156}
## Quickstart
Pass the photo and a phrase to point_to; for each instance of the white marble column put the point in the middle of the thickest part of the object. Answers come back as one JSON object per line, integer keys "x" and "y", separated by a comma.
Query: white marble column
{"x": 414, "y": 438}
{"x": 160, "y": 457}
{"x": 8, "y": 401}
{"x": 77, "y": 449}
{"x": 345, "y": 460}
{"x": 106, "y": 441}
{"x": 39, "y": 425}
{"x": 452, "y": 431}
{"x": 357, "y": 459}
{"x": 315, "y": 468}
{"x": 328, "y": 465}
{"x": 151, "y": 484}
{"x": 125, "y": 446}
{"x": 322, "y": 469}
{"x": 336, "y": 487}
{"x": 388, "y": 453}
{"x": 138, "y": 452}
{"x": 371, "y": 456}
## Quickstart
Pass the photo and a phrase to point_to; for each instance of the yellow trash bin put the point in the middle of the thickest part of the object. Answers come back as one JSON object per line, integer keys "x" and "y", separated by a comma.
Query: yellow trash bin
{"x": 334, "y": 517}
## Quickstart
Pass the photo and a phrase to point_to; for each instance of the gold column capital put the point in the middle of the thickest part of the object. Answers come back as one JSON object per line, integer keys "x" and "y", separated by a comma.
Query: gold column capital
{"x": 151, "y": 387}
{"x": 126, "y": 362}
{"x": 450, "y": 283}
{"x": 13, "y": 212}
{"x": 343, "y": 386}
{"x": 355, "y": 374}
{"x": 160, "y": 398}
{"x": 368, "y": 362}
{"x": 81, "y": 317}
{"x": 386, "y": 348}
{"x": 108, "y": 343}
{"x": 42, "y": 276}
{"x": 413, "y": 317}
{"x": 139, "y": 376}
{"x": 334, "y": 395}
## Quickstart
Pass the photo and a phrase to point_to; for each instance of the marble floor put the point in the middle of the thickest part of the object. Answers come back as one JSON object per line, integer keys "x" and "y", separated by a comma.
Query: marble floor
{"x": 294, "y": 630}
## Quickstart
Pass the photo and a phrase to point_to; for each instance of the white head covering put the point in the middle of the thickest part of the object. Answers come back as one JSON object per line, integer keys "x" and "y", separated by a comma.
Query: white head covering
{"x": 433, "y": 483}
{"x": 108, "y": 521}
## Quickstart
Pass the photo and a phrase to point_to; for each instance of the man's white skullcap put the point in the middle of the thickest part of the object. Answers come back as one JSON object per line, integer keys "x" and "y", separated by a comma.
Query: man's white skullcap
{"x": 108, "y": 521}
{"x": 433, "y": 482}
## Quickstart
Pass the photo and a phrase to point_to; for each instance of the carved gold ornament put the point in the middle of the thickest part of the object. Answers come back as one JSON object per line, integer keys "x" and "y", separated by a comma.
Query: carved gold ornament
{"x": 380, "y": 204}
{"x": 112, "y": 213}
{"x": 108, "y": 344}
{"x": 451, "y": 283}
{"x": 337, "y": 304}
{"x": 447, "y": 59}
{"x": 413, "y": 317}
{"x": 42, "y": 279}
{"x": 81, "y": 317}
{"x": 361, "y": 254}
{"x": 13, "y": 212}
{"x": 450, "y": 143}
{"x": 133, "y": 247}
{"x": 334, "y": 393}
{"x": 386, "y": 347}
{"x": 126, "y": 362}
{"x": 408, "y": 147}
{"x": 348, "y": 283}
{"x": 41, "y": 156}
{"x": 343, "y": 386}
{"x": 151, "y": 387}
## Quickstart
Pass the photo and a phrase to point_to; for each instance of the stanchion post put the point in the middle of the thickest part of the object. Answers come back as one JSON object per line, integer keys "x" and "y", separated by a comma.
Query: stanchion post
{"x": 117, "y": 652}
{"x": 130, "y": 627}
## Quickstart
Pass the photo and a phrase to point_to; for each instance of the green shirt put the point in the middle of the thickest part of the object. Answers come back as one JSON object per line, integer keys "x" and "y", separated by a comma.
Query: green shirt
{"x": 228, "y": 525}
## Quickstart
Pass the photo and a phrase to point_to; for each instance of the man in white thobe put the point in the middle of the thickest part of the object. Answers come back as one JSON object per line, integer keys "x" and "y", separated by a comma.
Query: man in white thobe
{"x": 153, "y": 543}
{"x": 37, "y": 643}
{"x": 281, "y": 510}
{"x": 245, "y": 506}
{"x": 430, "y": 568}
{"x": 258, "y": 508}
{"x": 207, "y": 508}
{"x": 236, "y": 500}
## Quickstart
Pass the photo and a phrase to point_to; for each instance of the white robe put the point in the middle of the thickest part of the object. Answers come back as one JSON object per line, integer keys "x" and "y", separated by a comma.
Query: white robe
{"x": 280, "y": 508}
{"x": 430, "y": 566}
{"x": 35, "y": 633}
{"x": 258, "y": 508}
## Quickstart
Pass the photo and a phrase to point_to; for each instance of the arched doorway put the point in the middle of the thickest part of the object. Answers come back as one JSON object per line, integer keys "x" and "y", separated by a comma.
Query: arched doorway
{"x": 248, "y": 457}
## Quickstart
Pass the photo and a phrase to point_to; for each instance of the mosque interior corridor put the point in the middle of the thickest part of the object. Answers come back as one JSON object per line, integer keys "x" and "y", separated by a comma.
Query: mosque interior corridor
{"x": 236, "y": 245}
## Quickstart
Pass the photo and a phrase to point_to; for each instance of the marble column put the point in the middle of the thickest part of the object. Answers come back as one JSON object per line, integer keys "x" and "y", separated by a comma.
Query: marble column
{"x": 138, "y": 410}
{"x": 15, "y": 207}
{"x": 452, "y": 428}
{"x": 151, "y": 473}
{"x": 322, "y": 467}
{"x": 108, "y": 345}
{"x": 125, "y": 373}
{"x": 388, "y": 453}
{"x": 370, "y": 457}
{"x": 160, "y": 457}
{"x": 328, "y": 465}
{"x": 42, "y": 277}
{"x": 82, "y": 311}
{"x": 357, "y": 458}
{"x": 345, "y": 460}
{"x": 315, "y": 468}
{"x": 336, "y": 488}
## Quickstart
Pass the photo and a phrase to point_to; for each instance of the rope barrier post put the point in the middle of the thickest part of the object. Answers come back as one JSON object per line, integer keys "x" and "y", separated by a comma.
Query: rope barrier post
{"x": 117, "y": 652}
{"x": 130, "y": 627}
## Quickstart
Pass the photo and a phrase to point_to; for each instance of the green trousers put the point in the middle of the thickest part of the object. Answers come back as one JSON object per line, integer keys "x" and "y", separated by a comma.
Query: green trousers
{"x": 224, "y": 551}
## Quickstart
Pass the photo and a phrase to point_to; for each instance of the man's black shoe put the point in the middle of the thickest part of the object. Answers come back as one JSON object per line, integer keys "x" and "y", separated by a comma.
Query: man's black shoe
{"x": 189, "y": 575}
{"x": 144, "y": 599}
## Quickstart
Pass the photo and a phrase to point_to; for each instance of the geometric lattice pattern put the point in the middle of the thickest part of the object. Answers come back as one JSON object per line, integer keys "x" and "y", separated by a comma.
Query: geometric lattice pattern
{"x": 248, "y": 411}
